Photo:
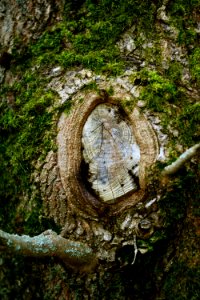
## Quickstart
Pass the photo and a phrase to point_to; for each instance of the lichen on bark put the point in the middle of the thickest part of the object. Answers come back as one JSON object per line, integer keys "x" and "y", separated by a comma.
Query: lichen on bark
{"x": 49, "y": 244}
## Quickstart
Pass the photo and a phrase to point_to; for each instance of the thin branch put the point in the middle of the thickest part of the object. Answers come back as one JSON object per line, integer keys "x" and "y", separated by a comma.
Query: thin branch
{"x": 136, "y": 249}
{"x": 180, "y": 162}
{"x": 74, "y": 254}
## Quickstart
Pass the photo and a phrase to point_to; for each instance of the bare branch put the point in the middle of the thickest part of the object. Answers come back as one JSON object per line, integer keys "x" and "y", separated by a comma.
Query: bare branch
{"x": 180, "y": 162}
{"x": 136, "y": 249}
{"x": 74, "y": 254}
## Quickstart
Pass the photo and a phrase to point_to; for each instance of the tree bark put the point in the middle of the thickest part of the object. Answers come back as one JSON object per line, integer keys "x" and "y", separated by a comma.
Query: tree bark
{"x": 74, "y": 254}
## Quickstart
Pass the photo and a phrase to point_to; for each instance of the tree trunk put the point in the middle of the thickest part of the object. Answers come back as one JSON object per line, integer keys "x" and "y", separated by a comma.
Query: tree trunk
{"x": 96, "y": 98}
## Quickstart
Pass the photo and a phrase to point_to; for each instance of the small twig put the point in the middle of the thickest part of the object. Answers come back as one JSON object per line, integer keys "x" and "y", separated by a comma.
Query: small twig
{"x": 136, "y": 249}
{"x": 180, "y": 162}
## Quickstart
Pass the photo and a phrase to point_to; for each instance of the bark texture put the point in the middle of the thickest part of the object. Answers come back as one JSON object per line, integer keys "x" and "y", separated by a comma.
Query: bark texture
{"x": 49, "y": 244}
{"x": 23, "y": 21}
{"x": 59, "y": 60}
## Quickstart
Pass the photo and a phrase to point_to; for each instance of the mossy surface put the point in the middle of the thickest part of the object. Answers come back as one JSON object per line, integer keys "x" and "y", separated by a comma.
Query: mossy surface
{"x": 26, "y": 136}
{"x": 87, "y": 37}
{"x": 164, "y": 94}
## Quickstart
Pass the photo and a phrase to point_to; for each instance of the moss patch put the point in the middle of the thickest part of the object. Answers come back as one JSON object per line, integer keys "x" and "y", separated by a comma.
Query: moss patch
{"x": 26, "y": 125}
{"x": 164, "y": 94}
{"x": 195, "y": 64}
{"x": 88, "y": 36}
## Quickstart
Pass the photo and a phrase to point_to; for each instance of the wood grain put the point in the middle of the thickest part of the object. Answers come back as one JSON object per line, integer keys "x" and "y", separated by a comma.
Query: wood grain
{"x": 111, "y": 152}
{"x": 81, "y": 198}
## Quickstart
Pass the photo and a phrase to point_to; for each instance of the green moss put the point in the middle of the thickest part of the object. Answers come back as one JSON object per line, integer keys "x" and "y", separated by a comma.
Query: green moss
{"x": 85, "y": 38}
{"x": 173, "y": 207}
{"x": 88, "y": 37}
{"x": 146, "y": 245}
{"x": 188, "y": 123}
{"x": 158, "y": 92}
{"x": 182, "y": 283}
{"x": 110, "y": 90}
{"x": 128, "y": 104}
{"x": 27, "y": 134}
{"x": 92, "y": 86}
{"x": 195, "y": 64}
{"x": 184, "y": 18}
{"x": 162, "y": 94}
{"x": 174, "y": 202}
{"x": 174, "y": 72}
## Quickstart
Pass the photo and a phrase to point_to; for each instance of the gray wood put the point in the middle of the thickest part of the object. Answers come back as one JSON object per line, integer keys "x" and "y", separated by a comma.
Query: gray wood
{"x": 111, "y": 151}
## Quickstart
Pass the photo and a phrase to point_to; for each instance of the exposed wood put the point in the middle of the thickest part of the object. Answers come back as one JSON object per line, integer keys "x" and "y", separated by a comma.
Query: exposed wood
{"x": 70, "y": 154}
{"x": 111, "y": 151}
